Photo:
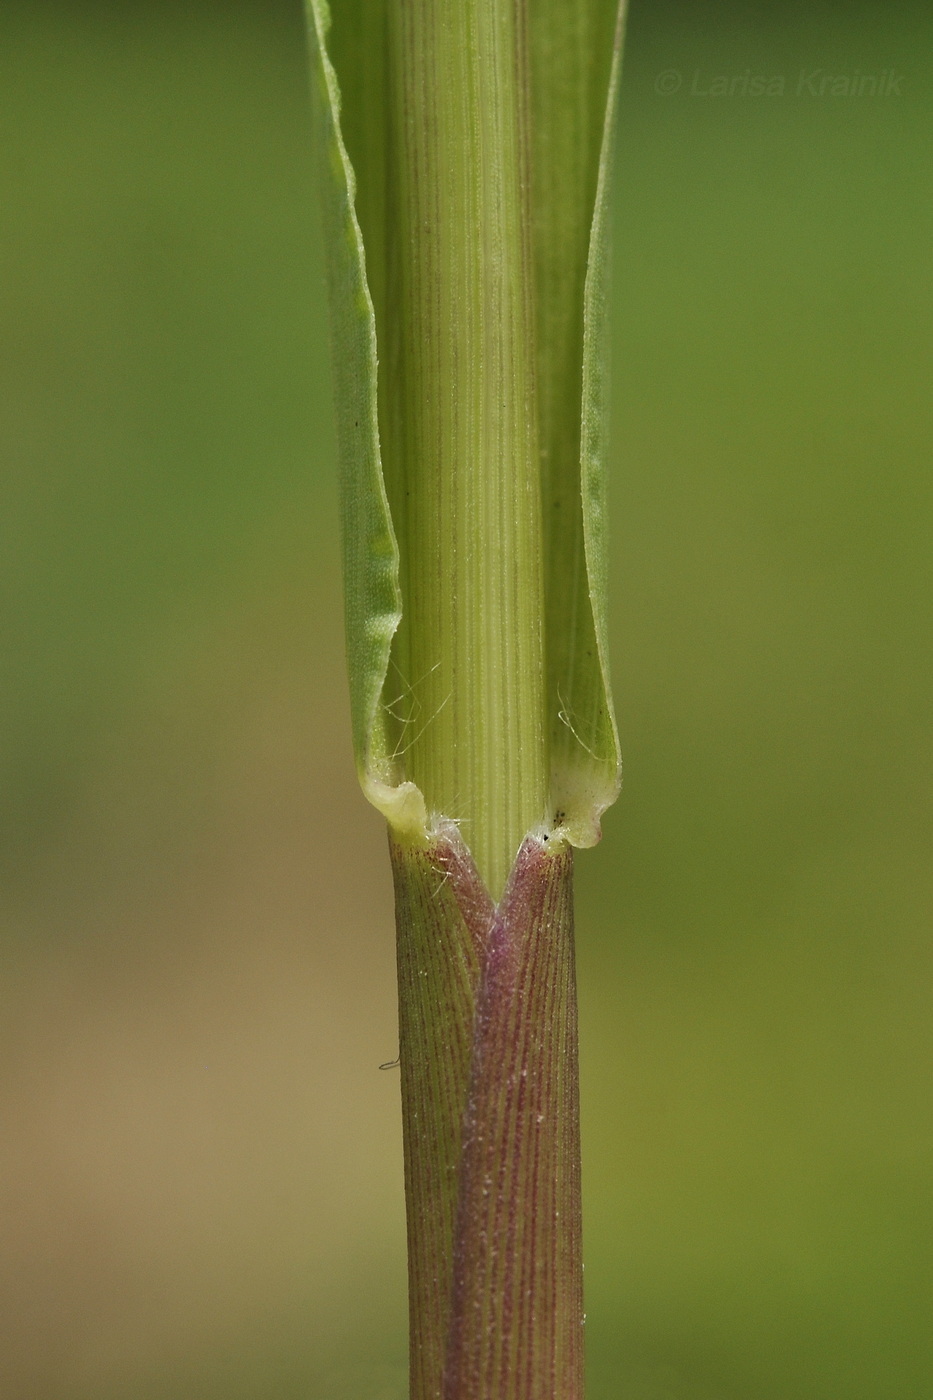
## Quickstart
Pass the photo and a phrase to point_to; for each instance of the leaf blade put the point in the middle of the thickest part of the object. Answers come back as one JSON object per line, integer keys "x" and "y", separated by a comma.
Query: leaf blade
{"x": 372, "y": 596}
{"x": 576, "y": 53}
{"x": 575, "y": 59}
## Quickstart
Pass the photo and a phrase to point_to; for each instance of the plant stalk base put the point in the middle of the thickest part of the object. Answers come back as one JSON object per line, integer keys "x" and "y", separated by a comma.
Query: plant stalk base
{"x": 490, "y": 1101}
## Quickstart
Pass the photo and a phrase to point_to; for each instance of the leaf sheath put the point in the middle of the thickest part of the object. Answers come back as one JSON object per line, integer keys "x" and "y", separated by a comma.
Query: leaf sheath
{"x": 491, "y": 1125}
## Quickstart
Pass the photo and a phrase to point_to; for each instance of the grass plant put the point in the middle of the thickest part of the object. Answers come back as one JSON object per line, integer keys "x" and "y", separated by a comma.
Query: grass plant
{"x": 467, "y": 153}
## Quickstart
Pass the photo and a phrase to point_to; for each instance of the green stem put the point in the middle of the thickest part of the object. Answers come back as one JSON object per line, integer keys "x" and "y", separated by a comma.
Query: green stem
{"x": 461, "y": 436}
{"x": 486, "y": 995}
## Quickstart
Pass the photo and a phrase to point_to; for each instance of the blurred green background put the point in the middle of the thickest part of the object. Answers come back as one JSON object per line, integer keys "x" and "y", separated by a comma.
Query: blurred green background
{"x": 200, "y": 1177}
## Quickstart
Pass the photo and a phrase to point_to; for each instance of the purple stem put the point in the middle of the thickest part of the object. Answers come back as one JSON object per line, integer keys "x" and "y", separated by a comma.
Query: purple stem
{"x": 491, "y": 1120}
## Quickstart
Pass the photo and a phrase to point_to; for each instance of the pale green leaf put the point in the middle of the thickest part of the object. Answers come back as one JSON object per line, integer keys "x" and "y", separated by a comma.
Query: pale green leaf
{"x": 370, "y": 550}
{"x": 576, "y": 52}
{"x": 574, "y": 58}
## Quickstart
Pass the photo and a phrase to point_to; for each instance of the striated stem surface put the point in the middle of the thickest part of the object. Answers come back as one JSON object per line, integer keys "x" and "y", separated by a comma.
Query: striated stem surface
{"x": 460, "y": 428}
{"x": 491, "y": 1124}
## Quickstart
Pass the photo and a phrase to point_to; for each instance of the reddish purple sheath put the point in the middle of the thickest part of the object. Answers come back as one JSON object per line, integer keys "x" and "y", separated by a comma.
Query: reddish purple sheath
{"x": 490, "y": 1104}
